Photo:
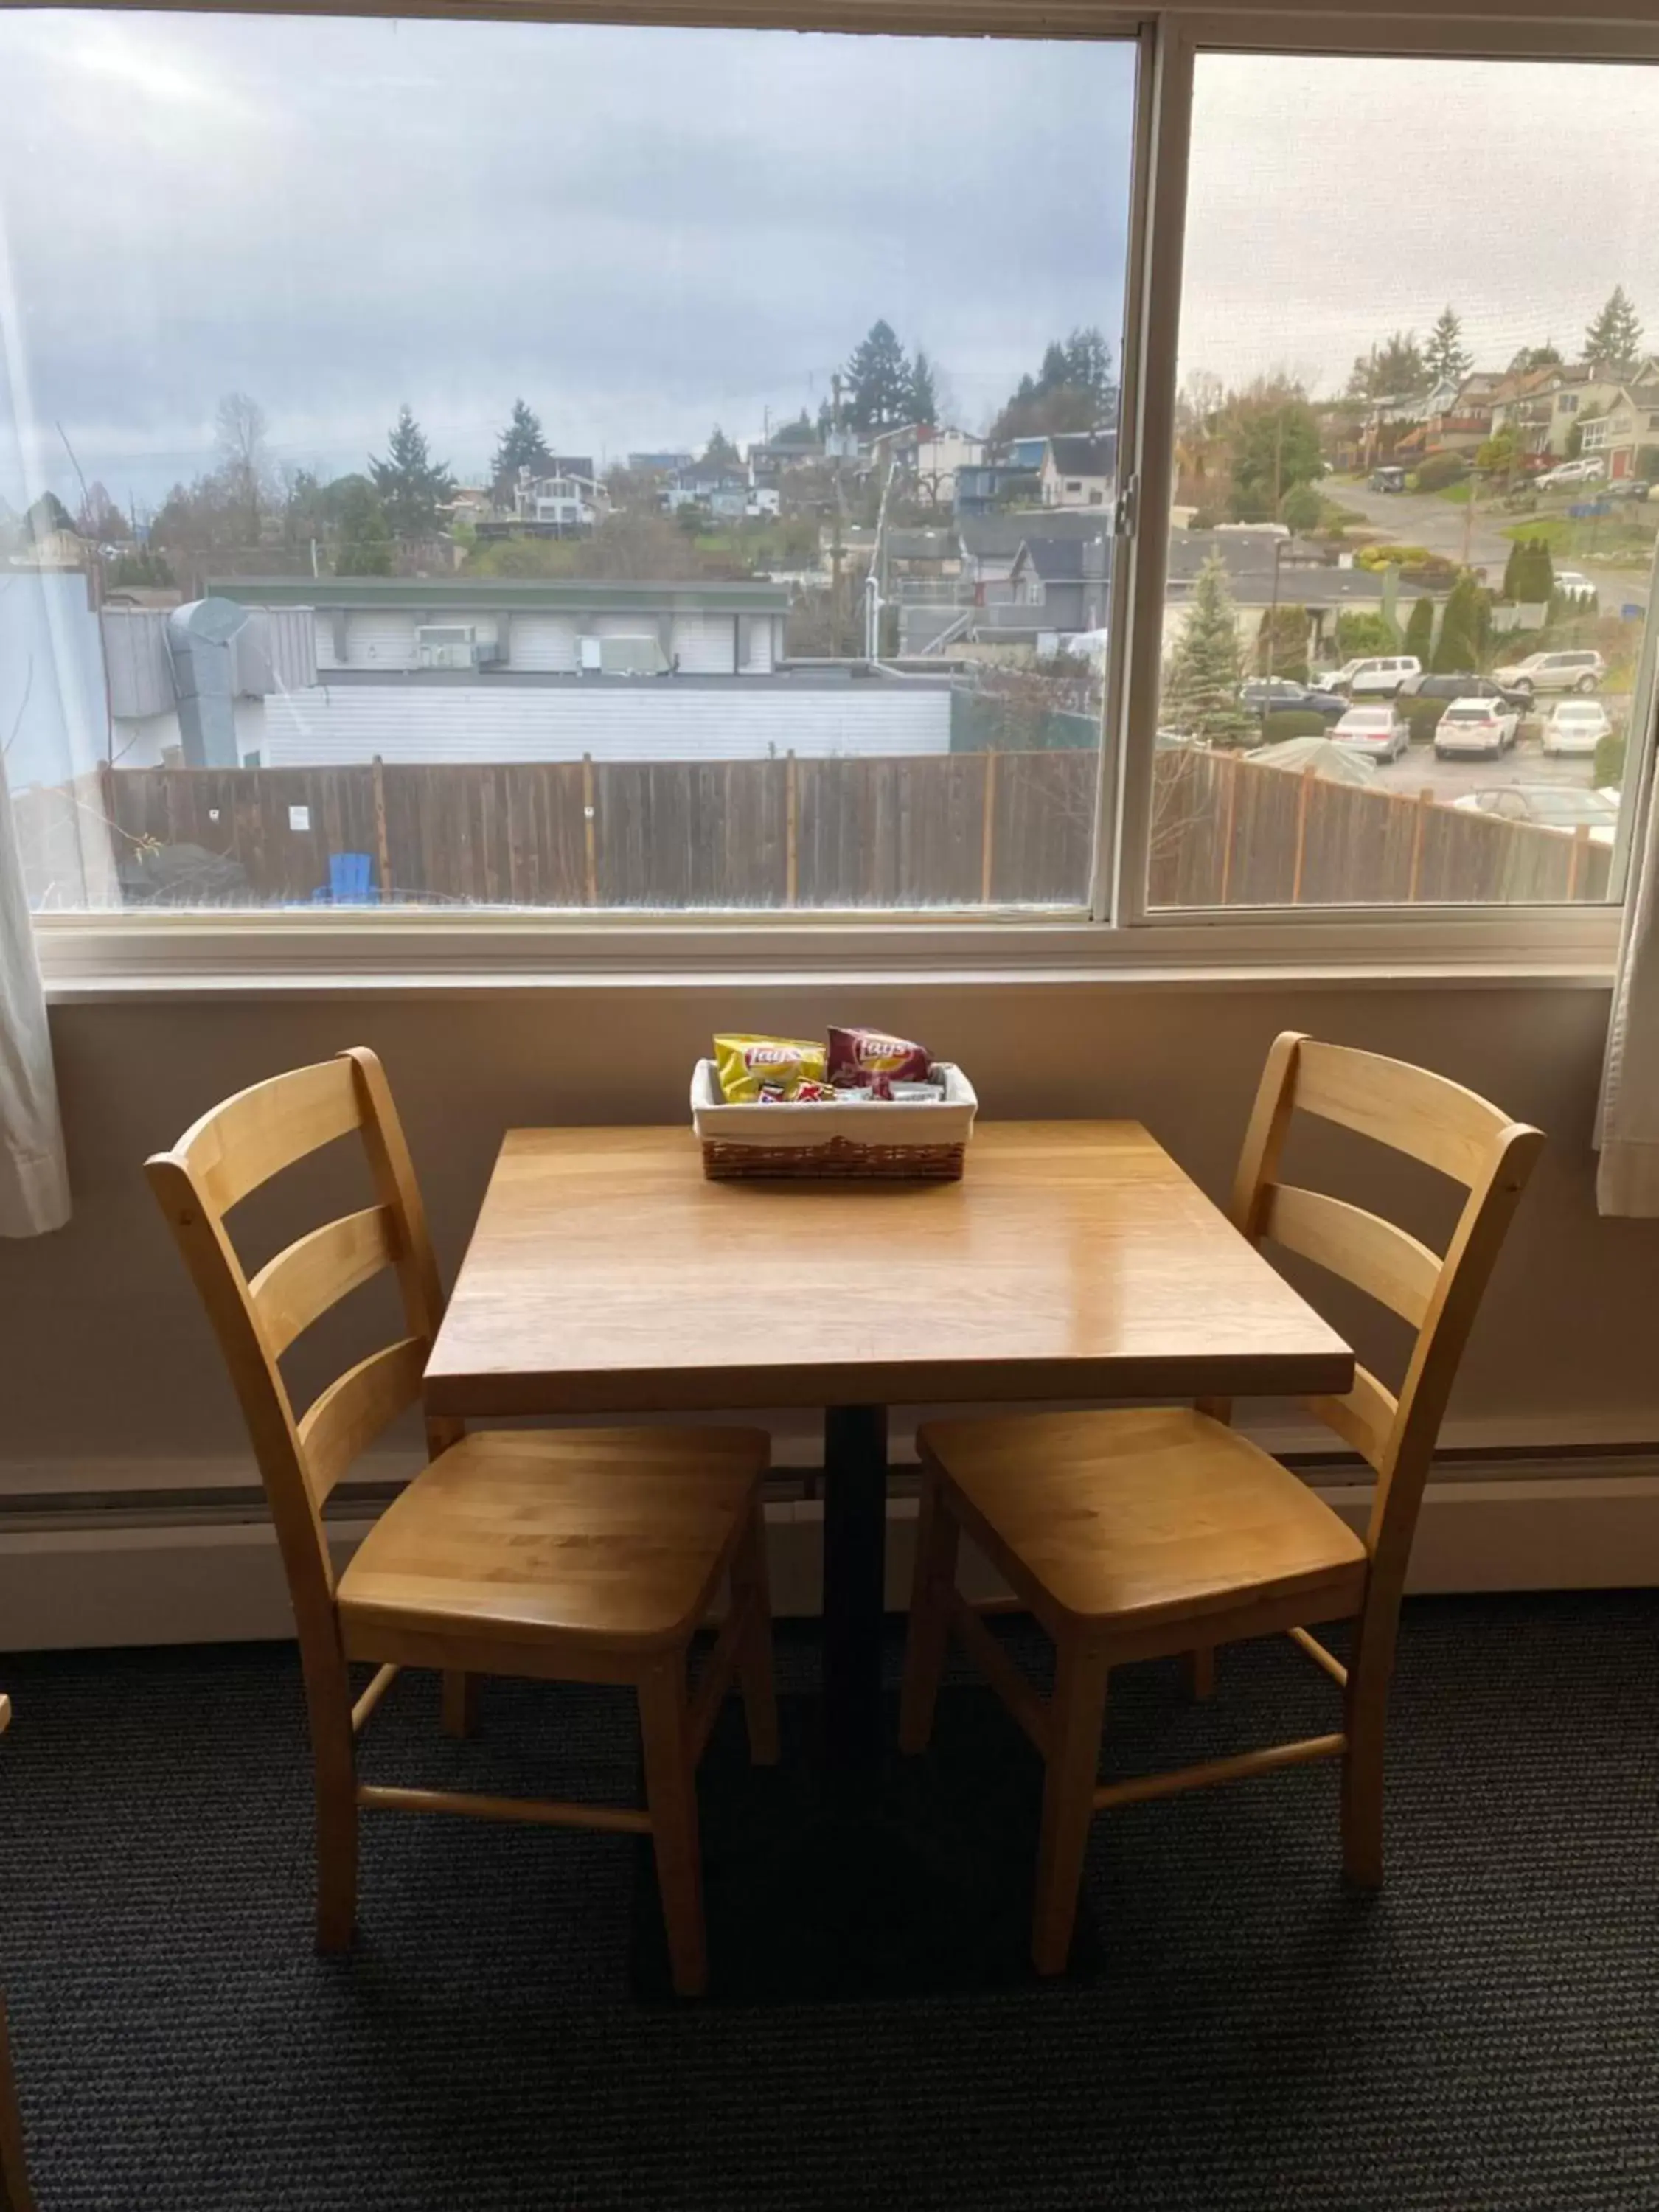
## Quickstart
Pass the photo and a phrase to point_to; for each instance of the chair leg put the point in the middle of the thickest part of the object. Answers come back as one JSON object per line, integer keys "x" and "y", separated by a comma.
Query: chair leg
{"x": 16, "y": 2195}
{"x": 749, "y": 1588}
{"x": 929, "y": 1631}
{"x": 1201, "y": 1671}
{"x": 1077, "y": 1711}
{"x": 334, "y": 1770}
{"x": 460, "y": 1702}
{"x": 1366, "y": 1726}
{"x": 671, "y": 1796}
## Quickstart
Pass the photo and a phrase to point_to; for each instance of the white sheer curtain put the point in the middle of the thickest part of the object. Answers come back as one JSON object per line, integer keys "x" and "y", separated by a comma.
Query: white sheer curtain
{"x": 34, "y": 1193}
{"x": 1627, "y": 1123}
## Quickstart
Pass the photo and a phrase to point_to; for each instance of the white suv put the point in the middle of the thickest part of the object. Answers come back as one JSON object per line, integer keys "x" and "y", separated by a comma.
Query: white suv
{"x": 1373, "y": 679}
{"x": 1553, "y": 671}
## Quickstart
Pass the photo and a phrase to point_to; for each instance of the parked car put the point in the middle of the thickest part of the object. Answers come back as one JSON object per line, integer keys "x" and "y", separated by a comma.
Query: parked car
{"x": 1549, "y": 806}
{"x": 1388, "y": 480}
{"x": 1379, "y": 732}
{"x": 1631, "y": 487}
{"x": 1571, "y": 472}
{"x": 1576, "y": 725}
{"x": 1554, "y": 672}
{"x": 1378, "y": 678}
{"x": 1464, "y": 686}
{"x": 1572, "y": 585}
{"x": 1282, "y": 695}
{"x": 1476, "y": 726}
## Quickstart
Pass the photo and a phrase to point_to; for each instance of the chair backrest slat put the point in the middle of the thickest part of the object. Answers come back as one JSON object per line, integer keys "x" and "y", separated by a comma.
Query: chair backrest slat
{"x": 347, "y": 1417}
{"x": 1377, "y": 1255}
{"x": 255, "y": 1135}
{"x": 316, "y": 1272}
{"x": 1408, "y": 1108}
{"x": 1362, "y": 1417}
{"x": 1439, "y": 1122}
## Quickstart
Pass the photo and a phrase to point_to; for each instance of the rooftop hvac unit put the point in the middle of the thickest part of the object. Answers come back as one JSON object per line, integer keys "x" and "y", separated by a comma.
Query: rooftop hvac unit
{"x": 630, "y": 656}
{"x": 452, "y": 645}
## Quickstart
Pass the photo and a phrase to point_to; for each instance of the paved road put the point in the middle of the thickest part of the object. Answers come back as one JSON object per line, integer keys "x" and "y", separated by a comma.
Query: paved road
{"x": 1422, "y": 519}
{"x": 1418, "y": 769}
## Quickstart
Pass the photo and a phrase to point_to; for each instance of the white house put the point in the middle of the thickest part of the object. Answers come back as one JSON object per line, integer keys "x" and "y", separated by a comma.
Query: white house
{"x": 1079, "y": 472}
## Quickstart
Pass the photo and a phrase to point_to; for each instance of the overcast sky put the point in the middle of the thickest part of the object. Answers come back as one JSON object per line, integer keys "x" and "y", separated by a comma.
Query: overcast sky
{"x": 644, "y": 232}
{"x": 641, "y": 232}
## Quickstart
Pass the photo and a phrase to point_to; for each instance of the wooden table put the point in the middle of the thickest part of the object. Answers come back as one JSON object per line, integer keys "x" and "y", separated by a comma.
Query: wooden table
{"x": 1074, "y": 1260}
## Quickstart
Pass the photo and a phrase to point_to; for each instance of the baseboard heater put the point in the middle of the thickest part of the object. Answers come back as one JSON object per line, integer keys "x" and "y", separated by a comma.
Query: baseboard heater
{"x": 103, "y": 1566}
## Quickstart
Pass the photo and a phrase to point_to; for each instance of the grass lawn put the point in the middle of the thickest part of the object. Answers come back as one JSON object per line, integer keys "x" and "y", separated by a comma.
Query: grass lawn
{"x": 1607, "y": 535}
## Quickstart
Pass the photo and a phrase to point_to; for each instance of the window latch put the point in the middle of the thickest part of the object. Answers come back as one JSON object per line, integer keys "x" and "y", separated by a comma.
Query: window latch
{"x": 1128, "y": 499}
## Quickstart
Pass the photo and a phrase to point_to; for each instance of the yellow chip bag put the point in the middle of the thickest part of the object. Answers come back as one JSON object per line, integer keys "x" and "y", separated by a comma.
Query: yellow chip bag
{"x": 745, "y": 1062}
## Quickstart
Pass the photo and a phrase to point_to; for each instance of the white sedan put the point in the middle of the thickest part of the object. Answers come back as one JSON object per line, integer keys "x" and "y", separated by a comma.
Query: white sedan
{"x": 1549, "y": 806}
{"x": 1576, "y": 725}
{"x": 1375, "y": 732}
{"x": 1476, "y": 726}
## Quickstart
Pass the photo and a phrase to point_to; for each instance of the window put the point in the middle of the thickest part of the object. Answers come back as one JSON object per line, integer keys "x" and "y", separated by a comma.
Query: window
{"x": 635, "y": 606}
{"x": 1307, "y": 349}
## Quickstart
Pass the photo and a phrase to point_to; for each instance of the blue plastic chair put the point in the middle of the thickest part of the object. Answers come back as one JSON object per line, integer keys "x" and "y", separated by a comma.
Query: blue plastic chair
{"x": 350, "y": 881}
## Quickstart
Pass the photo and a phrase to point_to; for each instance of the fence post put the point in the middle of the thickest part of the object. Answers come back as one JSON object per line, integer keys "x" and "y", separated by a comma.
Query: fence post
{"x": 590, "y": 842}
{"x": 987, "y": 838}
{"x": 791, "y": 832}
{"x": 1576, "y": 860}
{"x": 1306, "y": 782}
{"x": 1424, "y": 801}
{"x": 1228, "y": 825}
{"x": 382, "y": 843}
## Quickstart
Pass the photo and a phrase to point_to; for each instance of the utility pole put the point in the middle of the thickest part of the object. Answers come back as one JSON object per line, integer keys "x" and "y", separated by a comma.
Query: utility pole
{"x": 837, "y": 548}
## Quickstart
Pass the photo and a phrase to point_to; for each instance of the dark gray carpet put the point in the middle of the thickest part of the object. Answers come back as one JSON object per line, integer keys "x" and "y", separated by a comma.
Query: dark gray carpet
{"x": 1242, "y": 2034}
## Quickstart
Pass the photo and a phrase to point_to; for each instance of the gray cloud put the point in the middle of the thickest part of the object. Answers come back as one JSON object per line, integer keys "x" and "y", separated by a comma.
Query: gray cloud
{"x": 640, "y": 231}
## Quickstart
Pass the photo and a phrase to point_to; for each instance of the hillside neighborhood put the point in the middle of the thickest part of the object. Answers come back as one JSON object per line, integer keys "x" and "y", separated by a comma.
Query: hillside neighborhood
{"x": 880, "y": 581}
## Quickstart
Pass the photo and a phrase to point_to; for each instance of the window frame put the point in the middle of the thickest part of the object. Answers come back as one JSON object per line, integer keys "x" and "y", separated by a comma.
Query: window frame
{"x": 1118, "y": 935}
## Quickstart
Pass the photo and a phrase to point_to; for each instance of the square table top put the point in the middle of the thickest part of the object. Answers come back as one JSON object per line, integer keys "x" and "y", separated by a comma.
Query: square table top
{"x": 1074, "y": 1260}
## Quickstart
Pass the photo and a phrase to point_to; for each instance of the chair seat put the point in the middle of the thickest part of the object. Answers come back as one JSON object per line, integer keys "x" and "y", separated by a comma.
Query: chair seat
{"x": 1140, "y": 1517}
{"x": 619, "y": 1535}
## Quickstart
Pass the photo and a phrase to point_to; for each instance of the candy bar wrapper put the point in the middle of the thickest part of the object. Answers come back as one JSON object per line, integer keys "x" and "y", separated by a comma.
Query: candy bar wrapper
{"x": 745, "y": 1063}
{"x": 858, "y": 1055}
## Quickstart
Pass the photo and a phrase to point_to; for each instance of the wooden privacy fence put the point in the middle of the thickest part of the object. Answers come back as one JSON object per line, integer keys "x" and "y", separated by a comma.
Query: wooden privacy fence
{"x": 983, "y": 829}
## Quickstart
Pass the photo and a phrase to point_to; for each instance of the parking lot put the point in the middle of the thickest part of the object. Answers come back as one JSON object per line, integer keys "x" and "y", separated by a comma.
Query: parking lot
{"x": 1419, "y": 769}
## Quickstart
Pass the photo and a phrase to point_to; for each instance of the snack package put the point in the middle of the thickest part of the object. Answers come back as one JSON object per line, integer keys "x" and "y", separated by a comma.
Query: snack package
{"x": 917, "y": 1094}
{"x": 856, "y": 1055}
{"x": 745, "y": 1063}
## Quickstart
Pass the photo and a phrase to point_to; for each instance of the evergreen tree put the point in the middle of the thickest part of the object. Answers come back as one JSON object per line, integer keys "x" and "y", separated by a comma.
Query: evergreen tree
{"x": 1446, "y": 357}
{"x": 924, "y": 390}
{"x": 1275, "y": 446}
{"x": 1531, "y": 357}
{"x": 365, "y": 548}
{"x": 1459, "y": 648}
{"x": 47, "y": 514}
{"x": 1395, "y": 370}
{"x": 1420, "y": 631}
{"x": 411, "y": 484}
{"x": 721, "y": 453}
{"x": 878, "y": 381}
{"x": 1614, "y": 338}
{"x": 1056, "y": 368}
{"x": 1529, "y": 574}
{"x": 1089, "y": 368}
{"x": 1201, "y": 682}
{"x": 520, "y": 446}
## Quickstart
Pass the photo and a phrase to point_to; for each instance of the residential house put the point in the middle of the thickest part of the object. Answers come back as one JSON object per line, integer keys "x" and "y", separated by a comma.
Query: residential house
{"x": 1619, "y": 434}
{"x": 930, "y": 458}
{"x": 1058, "y": 584}
{"x": 989, "y": 487}
{"x": 990, "y": 543}
{"x": 1457, "y": 420}
{"x": 723, "y": 487}
{"x": 1079, "y": 472}
{"x": 564, "y": 502}
{"x": 1544, "y": 405}
{"x": 1297, "y": 576}
{"x": 659, "y": 465}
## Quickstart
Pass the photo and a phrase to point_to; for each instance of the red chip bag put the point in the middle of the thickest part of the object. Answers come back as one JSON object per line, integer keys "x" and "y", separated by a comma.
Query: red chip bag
{"x": 856, "y": 1055}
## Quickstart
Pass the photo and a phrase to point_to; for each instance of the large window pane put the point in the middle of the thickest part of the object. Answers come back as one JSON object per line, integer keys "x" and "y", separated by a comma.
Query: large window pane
{"x": 1419, "y": 429}
{"x": 569, "y": 466}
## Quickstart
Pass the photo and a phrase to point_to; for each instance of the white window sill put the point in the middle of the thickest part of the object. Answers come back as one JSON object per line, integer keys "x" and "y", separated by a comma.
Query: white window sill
{"x": 91, "y": 958}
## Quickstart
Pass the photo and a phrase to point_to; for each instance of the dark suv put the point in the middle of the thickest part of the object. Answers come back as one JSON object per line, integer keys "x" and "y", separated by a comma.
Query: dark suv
{"x": 1448, "y": 688}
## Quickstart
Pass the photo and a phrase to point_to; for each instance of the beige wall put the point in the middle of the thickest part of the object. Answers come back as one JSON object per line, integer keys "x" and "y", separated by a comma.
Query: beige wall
{"x": 103, "y": 1352}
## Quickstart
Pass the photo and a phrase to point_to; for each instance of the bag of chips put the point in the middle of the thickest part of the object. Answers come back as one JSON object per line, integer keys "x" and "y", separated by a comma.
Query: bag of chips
{"x": 856, "y": 1055}
{"x": 745, "y": 1063}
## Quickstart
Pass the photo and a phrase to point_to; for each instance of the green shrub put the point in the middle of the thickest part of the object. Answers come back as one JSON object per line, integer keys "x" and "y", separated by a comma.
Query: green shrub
{"x": 1610, "y": 759}
{"x": 1460, "y": 642}
{"x": 1440, "y": 470}
{"x": 1529, "y": 573}
{"x": 1359, "y": 634}
{"x": 1393, "y": 557}
{"x": 1647, "y": 462}
{"x": 1420, "y": 630}
{"x": 1422, "y": 719}
{"x": 1292, "y": 722}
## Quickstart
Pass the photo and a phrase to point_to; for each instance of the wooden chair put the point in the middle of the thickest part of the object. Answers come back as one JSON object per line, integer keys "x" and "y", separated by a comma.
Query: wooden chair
{"x": 16, "y": 2195}
{"x": 587, "y": 1556}
{"x": 1135, "y": 1534}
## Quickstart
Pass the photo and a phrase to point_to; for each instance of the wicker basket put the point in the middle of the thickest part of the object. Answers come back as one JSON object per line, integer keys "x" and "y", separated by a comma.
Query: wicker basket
{"x": 924, "y": 1141}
